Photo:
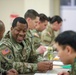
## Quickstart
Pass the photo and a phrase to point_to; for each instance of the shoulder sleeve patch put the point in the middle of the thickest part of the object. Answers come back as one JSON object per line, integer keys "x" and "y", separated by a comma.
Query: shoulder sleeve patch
{"x": 6, "y": 51}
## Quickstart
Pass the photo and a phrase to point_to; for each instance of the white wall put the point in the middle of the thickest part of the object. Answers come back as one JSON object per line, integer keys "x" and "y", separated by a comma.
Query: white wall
{"x": 8, "y": 7}
{"x": 42, "y": 6}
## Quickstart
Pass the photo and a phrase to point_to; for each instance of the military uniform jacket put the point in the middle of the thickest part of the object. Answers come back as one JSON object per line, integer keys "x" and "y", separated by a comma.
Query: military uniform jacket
{"x": 17, "y": 56}
{"x": 47, "y": 36}
{"x": 35, "y": 38}
{"x": 73, "y": 69}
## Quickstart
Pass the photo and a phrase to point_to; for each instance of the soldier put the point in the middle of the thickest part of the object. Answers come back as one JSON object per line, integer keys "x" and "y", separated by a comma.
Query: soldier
{"x": 11, "y": 71}
{"x": 16, "y": 52}
{"x": 48, "y": 35}
{"x": 32, "y": 18}
{"x": 43, "y": 22}
{"x": 65, "y": 44}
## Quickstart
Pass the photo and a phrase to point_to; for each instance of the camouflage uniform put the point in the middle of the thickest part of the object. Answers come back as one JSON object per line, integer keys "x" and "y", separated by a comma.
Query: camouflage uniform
{"x": 17, "y": 56}
{"x": 35, "y": 38}
{"x": 73, "y": 70}
{"x": 47, "y": 36}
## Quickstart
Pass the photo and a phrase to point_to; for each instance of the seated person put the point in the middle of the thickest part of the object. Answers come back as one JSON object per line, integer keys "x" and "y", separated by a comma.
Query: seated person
{"x": 48, "y": 35}
{"x": 11, "y": 71}
{"x": 65, "y": 44}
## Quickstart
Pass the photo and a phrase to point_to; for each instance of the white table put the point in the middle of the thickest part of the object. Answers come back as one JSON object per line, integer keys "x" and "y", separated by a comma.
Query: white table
{"x": 51, "y": 72}
{"x": 55, "y": 70}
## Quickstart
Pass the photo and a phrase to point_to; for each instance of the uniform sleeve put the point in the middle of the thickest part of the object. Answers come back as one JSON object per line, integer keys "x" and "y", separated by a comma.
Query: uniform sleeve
{"x": 23, "y": 67}
{"x": 8, "y": 62}
{"x": 6, "y": 58}
{"x": 45, "y": 38}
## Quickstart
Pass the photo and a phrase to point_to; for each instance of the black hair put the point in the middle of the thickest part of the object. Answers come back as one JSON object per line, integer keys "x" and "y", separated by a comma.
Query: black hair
{"x": 20, "y": 20}
{"x": 2, "y": 26}
{"x": 31, "y": 13}
{"x": 67, "y": 38}
{"x": 54, "y": 19}
{"x": 43, "y": 17}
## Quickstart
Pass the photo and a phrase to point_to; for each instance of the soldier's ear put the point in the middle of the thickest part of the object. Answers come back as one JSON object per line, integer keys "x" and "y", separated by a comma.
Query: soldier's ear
{"x": 69, "y": 50}
{"x": 28, "y": 19}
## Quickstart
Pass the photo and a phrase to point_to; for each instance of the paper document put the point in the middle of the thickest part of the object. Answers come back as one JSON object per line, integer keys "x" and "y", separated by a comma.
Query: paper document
{"x": 57, "y": 63}
{"x": 44, "y": 74}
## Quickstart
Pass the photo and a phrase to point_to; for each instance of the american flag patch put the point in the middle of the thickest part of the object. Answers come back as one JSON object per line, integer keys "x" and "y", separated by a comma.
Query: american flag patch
{"x": 6, "y": 51}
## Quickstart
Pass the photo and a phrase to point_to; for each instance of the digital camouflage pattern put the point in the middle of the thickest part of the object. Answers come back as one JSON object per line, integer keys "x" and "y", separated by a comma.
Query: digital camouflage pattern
{"x": 35, "y": 38}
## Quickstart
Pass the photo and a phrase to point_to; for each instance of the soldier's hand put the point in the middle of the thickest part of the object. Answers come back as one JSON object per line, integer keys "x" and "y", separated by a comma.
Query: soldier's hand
{"x": 45, "y": 66}
{"x": 12, "y": 72}
{"x": 41, "y": 49}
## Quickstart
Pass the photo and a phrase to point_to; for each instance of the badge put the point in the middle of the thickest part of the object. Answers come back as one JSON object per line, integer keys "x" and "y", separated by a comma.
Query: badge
{"x": 9, "y": 56}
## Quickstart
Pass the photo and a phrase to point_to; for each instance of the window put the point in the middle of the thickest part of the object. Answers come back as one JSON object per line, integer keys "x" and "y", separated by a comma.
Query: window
{"x": 65, "y": 2}
{"x": 75, "y": 2}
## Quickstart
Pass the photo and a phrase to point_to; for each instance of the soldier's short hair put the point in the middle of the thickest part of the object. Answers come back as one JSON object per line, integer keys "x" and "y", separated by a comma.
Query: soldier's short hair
{"x": 20, "y": 20}
{"x": 67, "y": 38}
{"x": 31, "y": 13}
{"x": 43, "y": 17}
